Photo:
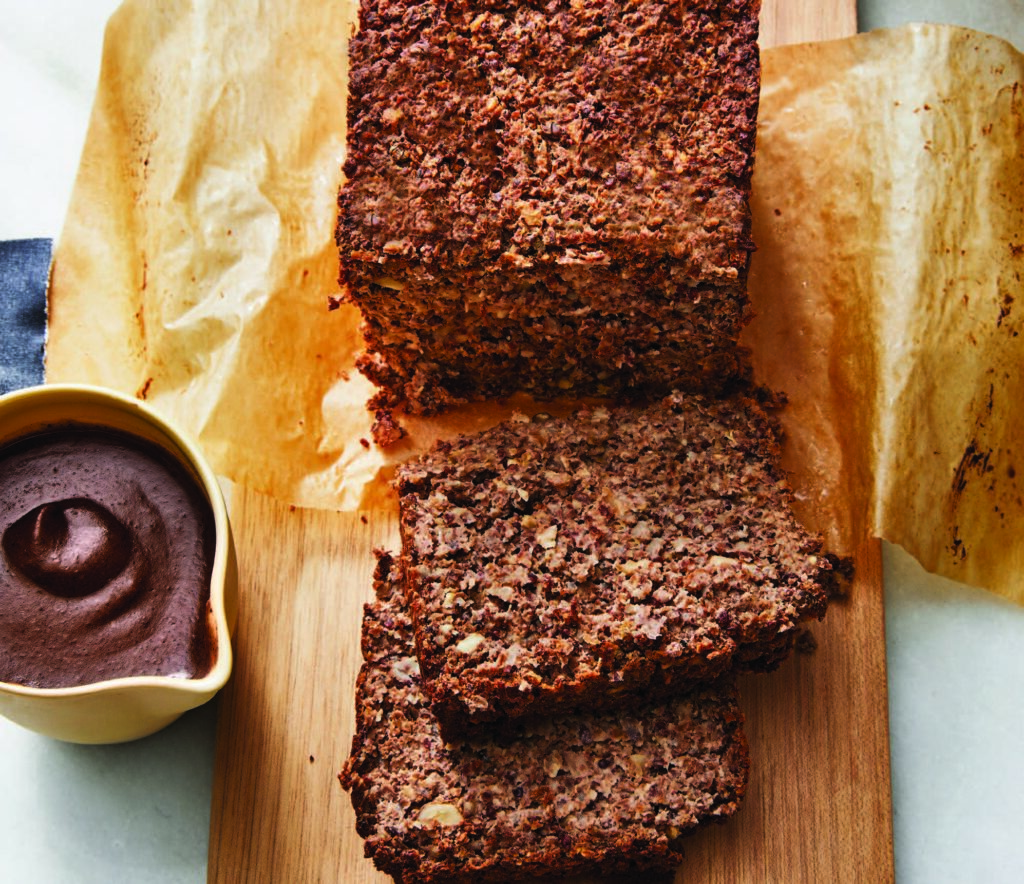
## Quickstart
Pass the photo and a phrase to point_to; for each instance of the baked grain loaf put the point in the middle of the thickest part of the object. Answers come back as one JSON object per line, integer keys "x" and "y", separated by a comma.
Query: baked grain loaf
{"x": 598, "y": 793}
{"x": 549, "y": 197}
{"x": 553, "y": 564}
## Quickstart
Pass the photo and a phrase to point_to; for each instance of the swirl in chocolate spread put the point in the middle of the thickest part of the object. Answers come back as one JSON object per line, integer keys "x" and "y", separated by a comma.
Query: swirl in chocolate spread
{"x": 107, "y": 549}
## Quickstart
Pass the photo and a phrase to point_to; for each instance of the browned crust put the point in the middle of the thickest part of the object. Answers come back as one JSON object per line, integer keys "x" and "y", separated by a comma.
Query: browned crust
{"x": 476, "y": 129}
{"x": 549, "y": 196}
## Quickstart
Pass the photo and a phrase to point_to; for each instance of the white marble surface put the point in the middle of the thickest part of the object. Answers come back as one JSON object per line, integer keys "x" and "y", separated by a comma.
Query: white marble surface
{"x": 140, "y": 812}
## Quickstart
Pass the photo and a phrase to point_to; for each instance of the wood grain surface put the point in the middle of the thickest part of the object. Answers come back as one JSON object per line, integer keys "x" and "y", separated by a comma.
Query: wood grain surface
{"x": 818, "y": 808}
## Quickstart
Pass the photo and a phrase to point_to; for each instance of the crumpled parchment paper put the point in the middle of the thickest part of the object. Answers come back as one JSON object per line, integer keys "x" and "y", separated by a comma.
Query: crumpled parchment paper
{"x": 197, "y": 264}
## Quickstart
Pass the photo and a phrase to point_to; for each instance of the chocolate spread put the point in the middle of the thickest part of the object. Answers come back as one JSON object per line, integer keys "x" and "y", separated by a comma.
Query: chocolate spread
{"x": 107, "y": 547}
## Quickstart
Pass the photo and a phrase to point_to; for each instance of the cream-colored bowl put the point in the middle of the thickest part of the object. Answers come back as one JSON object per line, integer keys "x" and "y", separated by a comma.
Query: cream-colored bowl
{"x": 123, "y": 708}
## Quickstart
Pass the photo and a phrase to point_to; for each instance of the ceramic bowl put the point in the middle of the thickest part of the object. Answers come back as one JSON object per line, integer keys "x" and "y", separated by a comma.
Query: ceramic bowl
{"x": 127, "y": 708}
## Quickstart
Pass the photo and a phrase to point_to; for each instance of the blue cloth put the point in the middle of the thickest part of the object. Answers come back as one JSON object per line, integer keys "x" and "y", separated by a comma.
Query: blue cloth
{"x": 24, "y": 274}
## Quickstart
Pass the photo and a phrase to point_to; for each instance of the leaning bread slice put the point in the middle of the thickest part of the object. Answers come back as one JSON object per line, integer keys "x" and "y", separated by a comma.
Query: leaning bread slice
{"x": 588, "y": 793}
{"x": 553, "y": 564}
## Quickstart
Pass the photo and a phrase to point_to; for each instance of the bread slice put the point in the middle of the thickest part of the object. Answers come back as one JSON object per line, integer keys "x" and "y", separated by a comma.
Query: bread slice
{"x": 555, "y": 564}
{"x": 549, "y": 197}
{"x": 600, "y": 793}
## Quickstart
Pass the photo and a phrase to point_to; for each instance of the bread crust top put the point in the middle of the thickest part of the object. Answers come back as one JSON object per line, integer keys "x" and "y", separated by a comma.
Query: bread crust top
{"x": 511, "y": 134}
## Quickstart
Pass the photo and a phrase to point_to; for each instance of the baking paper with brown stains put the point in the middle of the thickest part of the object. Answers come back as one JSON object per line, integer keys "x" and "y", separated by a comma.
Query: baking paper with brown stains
{"x": 197, "y": 268}
{"x": 889, "y": 214}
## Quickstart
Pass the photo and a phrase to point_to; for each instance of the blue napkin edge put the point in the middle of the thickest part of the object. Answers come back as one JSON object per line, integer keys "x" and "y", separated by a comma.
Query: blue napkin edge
{"x": 24, "y": 281}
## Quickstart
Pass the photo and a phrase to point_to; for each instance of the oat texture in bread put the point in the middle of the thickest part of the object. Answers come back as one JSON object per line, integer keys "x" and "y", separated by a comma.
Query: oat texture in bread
{"x": 590, "y": 793}
{"x": 557, "y": 563}
{"x": 549, "y": 197}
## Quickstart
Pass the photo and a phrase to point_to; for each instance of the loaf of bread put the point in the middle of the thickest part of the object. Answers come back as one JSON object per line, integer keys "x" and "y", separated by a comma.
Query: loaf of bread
{"x": 553, "y": 564}
{"x": 594, "y": 793}
{"x": 549, "y": 197}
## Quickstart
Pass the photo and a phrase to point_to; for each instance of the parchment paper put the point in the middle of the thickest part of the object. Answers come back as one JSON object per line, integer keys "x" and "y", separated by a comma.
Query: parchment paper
{"x": 197, "y": 266}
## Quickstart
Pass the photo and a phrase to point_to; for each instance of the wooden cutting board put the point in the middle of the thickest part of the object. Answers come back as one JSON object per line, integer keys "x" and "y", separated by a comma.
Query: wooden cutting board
{"x": 818, "y": 808}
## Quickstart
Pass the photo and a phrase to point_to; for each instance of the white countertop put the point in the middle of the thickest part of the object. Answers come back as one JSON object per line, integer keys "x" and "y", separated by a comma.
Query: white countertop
{"x": 140, "y": 812}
